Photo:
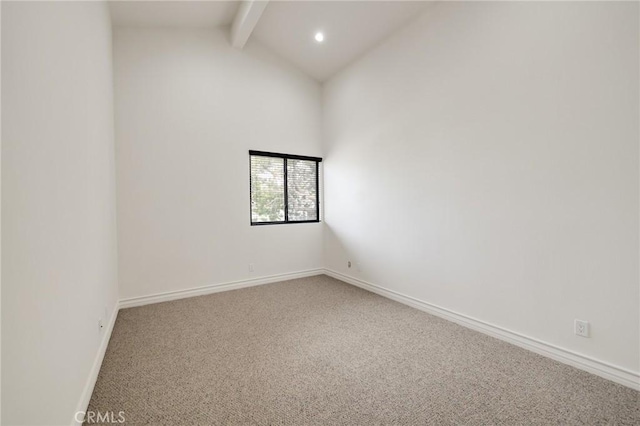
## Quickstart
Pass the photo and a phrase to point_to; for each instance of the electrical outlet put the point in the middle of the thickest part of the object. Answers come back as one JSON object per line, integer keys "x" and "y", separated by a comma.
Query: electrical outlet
{"x": 582, "y": 328}
{"x": 251, "y": 267}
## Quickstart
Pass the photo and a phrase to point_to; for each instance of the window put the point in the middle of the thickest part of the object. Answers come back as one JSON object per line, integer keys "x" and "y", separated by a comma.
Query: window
{"x": 284, "y": 188}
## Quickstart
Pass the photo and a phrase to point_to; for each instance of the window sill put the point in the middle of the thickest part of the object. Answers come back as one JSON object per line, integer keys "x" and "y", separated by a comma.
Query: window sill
{"x": 284, "y": 223}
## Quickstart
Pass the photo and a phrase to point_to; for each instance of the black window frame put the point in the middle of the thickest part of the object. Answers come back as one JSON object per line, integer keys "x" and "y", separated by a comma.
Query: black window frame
{"x": 286, "y": 157}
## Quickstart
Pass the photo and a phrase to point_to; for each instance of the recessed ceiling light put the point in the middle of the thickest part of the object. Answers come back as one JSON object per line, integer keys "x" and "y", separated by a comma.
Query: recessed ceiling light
{"x": 319, "y": 37}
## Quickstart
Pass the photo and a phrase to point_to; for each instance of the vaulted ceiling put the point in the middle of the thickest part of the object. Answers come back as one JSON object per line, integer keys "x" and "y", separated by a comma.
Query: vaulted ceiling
{"x": 350, "y": 28}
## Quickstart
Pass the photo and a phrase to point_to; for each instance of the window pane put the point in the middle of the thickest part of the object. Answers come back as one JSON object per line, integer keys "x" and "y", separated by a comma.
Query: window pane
{"x": 301, "y": 177}
{"x": 267, "y": 189}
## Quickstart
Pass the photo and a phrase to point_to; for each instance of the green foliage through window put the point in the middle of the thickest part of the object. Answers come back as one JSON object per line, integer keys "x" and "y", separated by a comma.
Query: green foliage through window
{"x": 284, "y": 190}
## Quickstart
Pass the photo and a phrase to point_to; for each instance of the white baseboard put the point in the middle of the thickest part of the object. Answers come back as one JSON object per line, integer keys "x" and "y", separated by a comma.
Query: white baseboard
{"x": 608, "y": 371}
{"x": 215, "y": 288}
{"x": 95, "y": 368}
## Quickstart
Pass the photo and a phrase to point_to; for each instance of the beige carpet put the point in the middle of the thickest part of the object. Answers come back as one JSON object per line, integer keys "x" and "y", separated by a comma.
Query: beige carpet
{"x": 318, "y": 351}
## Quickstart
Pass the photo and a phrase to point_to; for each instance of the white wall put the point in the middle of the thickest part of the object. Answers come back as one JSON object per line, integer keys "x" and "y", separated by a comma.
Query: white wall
{"x": 188, "y": 108}
{"x": 0, "y": 219}
{"x": 485, "y": 160}
{"x": 58, "y": 204}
